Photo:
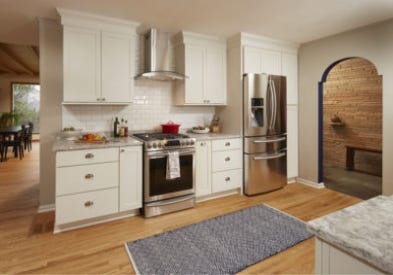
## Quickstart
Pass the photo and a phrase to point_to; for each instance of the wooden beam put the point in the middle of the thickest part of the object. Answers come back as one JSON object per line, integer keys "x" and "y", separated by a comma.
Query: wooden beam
{"x": 18, "y": 61}
{"x": 6, "y": 69}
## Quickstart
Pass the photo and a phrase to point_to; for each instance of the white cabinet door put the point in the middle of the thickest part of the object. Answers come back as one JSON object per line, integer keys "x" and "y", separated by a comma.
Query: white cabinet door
{"x": 251, "y": 60}
{"x": 81, "y": 58}
{"x": 289, "y": 69}
{"x": 195, "y": 70}
{"x": 292, "y": 141}
{"x": 116, "y": 58}
{"x": 130, "y": 187}
{"x": 203, "y": 168}
{"x": 256, "y": 60}
{"x": 215, "y": 92}
{"x": 271, "y": 62}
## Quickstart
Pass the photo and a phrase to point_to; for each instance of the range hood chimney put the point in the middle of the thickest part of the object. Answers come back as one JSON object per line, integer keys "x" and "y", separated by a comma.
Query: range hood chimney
{"x": 157, "y": 58}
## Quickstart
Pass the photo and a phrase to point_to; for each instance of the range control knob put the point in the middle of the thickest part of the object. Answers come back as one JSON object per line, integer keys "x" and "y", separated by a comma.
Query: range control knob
{"x": 192, "y": 142}
{"x": 148, "y": 146}
{"x": 154, "y": 145}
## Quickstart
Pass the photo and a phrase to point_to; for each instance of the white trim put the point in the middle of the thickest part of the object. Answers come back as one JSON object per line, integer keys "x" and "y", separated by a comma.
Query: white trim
{"x": 131, "y": 260}
{"x": 89, "y": 20}
{"x": 310, "y": 183}
{"x": 259, "y": 41}
{"x": 291, "y": 180}
{"x": 46, "y": 208}
{"x": 93, "y": 221}
{"x": 218, "y": 195}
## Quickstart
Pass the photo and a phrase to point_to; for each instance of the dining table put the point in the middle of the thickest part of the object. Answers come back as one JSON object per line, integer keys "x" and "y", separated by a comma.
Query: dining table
{"x": 11, "y": 130}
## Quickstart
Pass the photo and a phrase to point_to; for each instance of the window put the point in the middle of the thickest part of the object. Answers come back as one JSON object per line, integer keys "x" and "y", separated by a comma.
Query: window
{"x": 26, "y": 103}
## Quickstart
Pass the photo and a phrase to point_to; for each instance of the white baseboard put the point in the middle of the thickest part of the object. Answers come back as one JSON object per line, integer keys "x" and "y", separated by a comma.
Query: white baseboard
{"x": 46, "y": 208}
{"x": 291, "y": 180}
{"x": 310, "y": 183}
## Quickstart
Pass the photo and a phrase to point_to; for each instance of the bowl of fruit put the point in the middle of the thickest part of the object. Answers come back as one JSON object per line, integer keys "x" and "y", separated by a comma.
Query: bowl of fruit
{"x": 92, "y": 138}
{"x": 200, "y": 130}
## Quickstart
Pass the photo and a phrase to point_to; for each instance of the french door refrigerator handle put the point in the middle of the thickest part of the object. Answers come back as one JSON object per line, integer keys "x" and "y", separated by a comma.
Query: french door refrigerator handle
{"x": 269, "y": 140}
{"x": 271, "y": 103}
{"x": 274, "y": 156}
{"x": 274, "y": 103}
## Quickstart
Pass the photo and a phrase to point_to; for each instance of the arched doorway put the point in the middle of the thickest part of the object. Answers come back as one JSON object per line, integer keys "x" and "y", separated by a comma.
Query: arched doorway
{"x": 350, "y": 128}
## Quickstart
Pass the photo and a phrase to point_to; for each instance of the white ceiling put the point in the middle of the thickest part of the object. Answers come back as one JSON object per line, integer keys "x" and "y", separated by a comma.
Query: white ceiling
{"x": 294, "y": 20}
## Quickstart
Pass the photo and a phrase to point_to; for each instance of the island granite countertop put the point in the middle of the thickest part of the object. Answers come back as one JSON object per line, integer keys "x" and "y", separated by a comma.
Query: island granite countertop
{"x": 363, "y": 230}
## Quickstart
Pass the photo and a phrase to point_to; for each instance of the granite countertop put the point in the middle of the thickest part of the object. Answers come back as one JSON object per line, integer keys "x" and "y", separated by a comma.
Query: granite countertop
{"x": 364, "y": 230}
{"x": 69, "y": 145}
{"x": 210, "y": 136}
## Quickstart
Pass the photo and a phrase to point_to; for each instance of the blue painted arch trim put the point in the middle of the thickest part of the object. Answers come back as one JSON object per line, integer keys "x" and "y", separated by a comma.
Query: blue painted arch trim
{"x": 320, "y": 115}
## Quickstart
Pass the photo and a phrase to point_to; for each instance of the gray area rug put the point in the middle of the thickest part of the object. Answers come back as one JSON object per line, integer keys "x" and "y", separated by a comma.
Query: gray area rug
{"x": 223, "y": 245}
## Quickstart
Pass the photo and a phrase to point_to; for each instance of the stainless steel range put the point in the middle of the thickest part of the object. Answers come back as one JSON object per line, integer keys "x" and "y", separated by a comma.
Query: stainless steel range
{"x": 162, "y": 195}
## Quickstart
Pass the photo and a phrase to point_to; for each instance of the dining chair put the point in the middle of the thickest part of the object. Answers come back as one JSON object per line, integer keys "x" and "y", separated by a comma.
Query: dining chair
{"x": 1, "y": 147}
{"x": 16, "y": 143}
{"x": 28, "y": 137}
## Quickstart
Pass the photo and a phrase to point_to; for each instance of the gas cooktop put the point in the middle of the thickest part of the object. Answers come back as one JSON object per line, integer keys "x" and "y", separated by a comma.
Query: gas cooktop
{"x": 161, "y": 141}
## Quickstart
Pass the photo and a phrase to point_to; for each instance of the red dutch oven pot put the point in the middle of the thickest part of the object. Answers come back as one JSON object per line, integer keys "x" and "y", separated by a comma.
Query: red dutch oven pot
{"x": 170, "y": 128}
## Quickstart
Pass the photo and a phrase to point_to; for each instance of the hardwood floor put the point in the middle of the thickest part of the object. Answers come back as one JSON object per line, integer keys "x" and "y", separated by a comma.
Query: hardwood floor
{"x": 29, "y": 246}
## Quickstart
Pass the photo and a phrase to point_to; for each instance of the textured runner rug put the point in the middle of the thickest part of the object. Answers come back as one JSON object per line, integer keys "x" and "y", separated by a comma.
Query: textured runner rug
{"x": 223, "y": 245}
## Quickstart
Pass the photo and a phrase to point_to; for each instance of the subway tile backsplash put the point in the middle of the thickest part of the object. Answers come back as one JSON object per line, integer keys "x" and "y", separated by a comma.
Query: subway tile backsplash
{"x": 153, "y": 105}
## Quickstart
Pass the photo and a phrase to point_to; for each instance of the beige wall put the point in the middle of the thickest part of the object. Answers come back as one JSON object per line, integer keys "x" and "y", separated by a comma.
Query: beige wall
{"x": 374, "y": 43}
{"x": 51, "y": 64}
{"x": 5, "y": 89}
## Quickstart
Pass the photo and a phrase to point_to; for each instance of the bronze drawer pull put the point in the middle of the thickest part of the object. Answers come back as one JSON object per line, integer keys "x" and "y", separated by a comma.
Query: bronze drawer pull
{"x": 89, "y": 176}
{"x": 89, "y": 203}
{"x": 89, "y": 156}
{"x": 227, "y": 179}
{"x": 227, "y": 144}
{"x": 227, "y": 159}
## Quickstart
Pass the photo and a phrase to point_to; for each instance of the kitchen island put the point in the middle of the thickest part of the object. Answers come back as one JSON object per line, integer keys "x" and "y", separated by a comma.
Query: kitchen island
{"x": 357, "y": 239}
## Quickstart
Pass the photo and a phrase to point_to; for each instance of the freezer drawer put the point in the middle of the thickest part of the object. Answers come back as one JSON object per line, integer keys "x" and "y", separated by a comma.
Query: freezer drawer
{"x": 264, "y": 172}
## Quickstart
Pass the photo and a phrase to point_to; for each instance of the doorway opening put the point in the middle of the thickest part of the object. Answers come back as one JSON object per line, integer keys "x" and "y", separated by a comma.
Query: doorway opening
{"x": 350, "y": 128}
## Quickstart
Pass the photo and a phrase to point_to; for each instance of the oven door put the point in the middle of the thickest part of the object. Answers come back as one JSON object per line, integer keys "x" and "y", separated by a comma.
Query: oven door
{"x": 157, "y": 187}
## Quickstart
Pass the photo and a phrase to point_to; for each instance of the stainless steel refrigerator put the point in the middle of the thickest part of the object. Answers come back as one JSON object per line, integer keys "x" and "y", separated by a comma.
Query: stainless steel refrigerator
{"x": 264, "y": 133}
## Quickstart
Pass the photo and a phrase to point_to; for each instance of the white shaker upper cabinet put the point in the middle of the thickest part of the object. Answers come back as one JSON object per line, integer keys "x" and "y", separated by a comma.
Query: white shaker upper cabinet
{"x": 98, "y": 54}
{"x": 195, "y": 69}
{"x": 258, "y": 60}
{"x": 81, "y": 65}
{"x": 203, "y": 59}
{"x": 116, "y": 58}
{"x": 215, "y": 76}
{"x": 289, "y": 69}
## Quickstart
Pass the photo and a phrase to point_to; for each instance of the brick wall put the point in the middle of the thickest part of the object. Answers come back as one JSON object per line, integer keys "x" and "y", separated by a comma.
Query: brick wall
{"x": 353, "y": 91}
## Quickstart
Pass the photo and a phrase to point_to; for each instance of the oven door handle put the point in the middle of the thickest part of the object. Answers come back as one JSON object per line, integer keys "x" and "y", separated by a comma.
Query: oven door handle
{"x": 163, "y": 154}
{"x": 171, "y": 201}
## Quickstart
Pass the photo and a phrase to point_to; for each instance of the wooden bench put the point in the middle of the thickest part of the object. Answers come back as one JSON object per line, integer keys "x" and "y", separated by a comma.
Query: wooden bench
{"x": 351, "y": 154}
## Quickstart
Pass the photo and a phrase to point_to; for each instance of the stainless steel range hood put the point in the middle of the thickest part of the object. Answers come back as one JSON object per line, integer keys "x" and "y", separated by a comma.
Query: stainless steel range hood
{"x": 157, "y": 58}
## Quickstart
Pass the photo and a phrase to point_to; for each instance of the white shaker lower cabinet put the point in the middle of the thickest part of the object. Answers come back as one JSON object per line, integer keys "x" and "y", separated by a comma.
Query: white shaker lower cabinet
{"x": 97, "y": 183}
{"x": 130, "y": 195}
{"x": 330, "y": 260}
{"x": 203, "y": 168}
{"x": 227, "y": 163}
{"x": 218, "y": 166}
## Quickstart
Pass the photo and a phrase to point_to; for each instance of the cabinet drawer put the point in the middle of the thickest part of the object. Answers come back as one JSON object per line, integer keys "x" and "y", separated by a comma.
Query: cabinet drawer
{"x": 226, "y": 144}
{"x": 222, "y": 181}
{"x": 86, "y": 205}
{"x": 76, "y": 179}
{"x": 87, "y": 156}
{"x": 226, "y": 160}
